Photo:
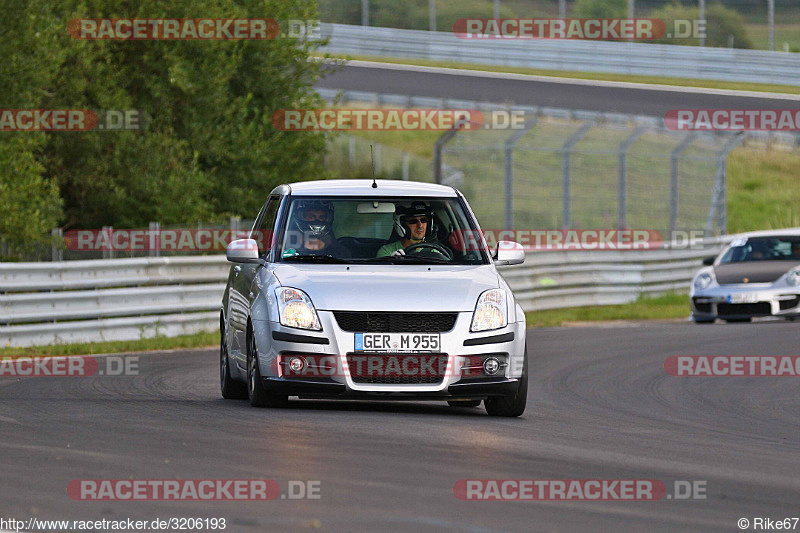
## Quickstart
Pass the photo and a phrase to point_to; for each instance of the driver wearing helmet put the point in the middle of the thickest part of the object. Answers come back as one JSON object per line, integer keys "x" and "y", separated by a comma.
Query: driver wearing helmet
{"x": 413, "y": 225}
{"x": 310, "y": 231}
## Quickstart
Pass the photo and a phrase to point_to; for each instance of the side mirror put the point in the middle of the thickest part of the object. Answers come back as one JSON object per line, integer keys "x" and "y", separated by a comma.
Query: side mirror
{"x": 243, "y": 251}
{"x": 708, "y": 261}
{"x": 509, "y": 253}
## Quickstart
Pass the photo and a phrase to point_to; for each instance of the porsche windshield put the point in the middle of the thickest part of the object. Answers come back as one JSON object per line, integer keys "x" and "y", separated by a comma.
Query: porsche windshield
{"x": 380, "y": 230}
{"x": 763, "y": 249}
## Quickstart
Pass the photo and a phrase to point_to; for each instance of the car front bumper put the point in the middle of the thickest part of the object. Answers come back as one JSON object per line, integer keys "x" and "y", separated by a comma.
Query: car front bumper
{"x": 745, "y": 301}
{"x": 277, "y": 343}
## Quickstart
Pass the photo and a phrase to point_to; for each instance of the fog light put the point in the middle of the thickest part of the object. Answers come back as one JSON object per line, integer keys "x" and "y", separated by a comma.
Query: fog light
{"x": 491, "y": 366}
{"x": 296, "y": 364}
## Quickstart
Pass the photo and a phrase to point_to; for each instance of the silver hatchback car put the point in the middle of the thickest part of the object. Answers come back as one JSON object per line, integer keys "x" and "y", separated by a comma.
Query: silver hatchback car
{"x": 376, "y": 290}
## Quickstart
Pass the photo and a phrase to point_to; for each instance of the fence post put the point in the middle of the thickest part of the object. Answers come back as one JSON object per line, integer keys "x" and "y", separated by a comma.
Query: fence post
{"x": 438, "y": 148}
{"x": 673, "y": 182}
{"x": 405, "y": 165}
{"x": 566, "y": 170}
{"x": 508, "y": 160}
{"x": 622, "y": 213}
{"x": 56, "y": 251}
{"x": 720, "y": 196}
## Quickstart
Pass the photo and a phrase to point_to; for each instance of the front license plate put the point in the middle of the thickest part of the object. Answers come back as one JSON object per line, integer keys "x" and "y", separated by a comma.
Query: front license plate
{"x": 743, "y": 298}
{"x": 397, "y": 342}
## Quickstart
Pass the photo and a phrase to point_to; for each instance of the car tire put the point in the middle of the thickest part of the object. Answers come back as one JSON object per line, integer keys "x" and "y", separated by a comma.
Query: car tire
{"x": 738, "y": 320}
{"x": 229, "y": 387}
{"x": 467, "y": 403}
{"x": 257, "y": 394}
{"x": 511, "y": 405}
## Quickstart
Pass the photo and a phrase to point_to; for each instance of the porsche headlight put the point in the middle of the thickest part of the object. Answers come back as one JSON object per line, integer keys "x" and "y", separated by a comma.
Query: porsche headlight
{"x": 793, "y": 277}
{"x": 296, "y": 310}
{"x": 703, "y": 281}
{"x": 491, "y": 311}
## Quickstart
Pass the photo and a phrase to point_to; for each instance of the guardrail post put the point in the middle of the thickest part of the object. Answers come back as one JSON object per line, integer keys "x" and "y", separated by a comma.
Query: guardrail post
{"x": 673, "y": 182}
{"x": 405, "y": 165}
{"x": 720, "y": 196}
{"x": 622, "y": 213}
{"x": 365, "y": 12}
{"x": 56, "y": 252}
{"x": 438, "y": 148}
{"x": 566, "y": 186}
{"x": 155, "y": 239}
{"x": 109, "y": 252}
{"x": 235, "y": 226}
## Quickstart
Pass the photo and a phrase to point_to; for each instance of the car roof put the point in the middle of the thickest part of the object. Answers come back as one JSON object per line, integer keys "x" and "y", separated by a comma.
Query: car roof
{"x": 364, "y": 187}
{"x": 788, "y": 232}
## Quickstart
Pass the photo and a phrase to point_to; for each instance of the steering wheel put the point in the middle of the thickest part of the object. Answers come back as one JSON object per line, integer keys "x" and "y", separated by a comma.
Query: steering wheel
{"x": 414, "y": 248}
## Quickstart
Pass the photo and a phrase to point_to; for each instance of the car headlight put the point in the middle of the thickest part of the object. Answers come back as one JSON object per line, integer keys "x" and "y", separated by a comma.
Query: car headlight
{"x": 491, "y": 311}
{"x": 703, "y": 281}
{"x": 793, "y": 277}
{"x": 296, "y": 310}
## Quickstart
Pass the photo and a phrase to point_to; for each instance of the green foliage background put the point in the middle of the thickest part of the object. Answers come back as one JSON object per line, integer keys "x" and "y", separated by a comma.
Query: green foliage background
{"x": 209, "y": 150}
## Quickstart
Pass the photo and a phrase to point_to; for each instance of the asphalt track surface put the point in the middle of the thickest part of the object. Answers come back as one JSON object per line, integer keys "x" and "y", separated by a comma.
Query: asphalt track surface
{"x": 600, "y": 407}
{"x": 540, "y": 91}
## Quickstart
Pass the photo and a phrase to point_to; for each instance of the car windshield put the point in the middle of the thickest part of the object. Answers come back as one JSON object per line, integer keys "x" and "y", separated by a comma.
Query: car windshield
{"x": 763, "y": 249}
{"x": 379, "y": 230}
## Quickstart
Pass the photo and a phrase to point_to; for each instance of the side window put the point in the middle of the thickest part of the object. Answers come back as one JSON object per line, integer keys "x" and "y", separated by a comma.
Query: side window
{"x": 264, "y": 234}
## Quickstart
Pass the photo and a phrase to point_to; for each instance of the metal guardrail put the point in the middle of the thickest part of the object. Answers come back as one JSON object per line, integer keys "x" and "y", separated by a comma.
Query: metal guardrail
{"x": 727, "y": 64}
{"x": 109, "y": 299}
{"x": 125, "y": 299}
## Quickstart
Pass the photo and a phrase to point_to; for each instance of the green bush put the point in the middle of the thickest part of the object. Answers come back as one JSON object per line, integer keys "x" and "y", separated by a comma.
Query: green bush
{"x": 209, "y": 150}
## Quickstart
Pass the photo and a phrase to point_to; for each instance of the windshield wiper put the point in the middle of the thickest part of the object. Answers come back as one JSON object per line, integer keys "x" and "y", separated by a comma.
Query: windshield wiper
{"x": 316, "y": 258}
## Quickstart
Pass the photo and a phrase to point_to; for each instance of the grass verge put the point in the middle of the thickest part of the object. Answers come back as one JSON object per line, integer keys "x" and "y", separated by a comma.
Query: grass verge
{"x": 196, "y": 340}
{"x": 671, "y": 305}
{"x": 599, "y": 76}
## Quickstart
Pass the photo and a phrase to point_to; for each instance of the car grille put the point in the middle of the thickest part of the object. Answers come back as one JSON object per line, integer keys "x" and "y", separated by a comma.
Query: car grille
{"x": 756, "y": 309}
{"x": 788, "y": 304}
{"x": 381, "y": 322}
{"x": 704, "y": 307}
{"x": 366, "y": 374}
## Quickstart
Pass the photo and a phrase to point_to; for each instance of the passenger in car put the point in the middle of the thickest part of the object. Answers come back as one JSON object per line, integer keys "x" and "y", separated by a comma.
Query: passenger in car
{"x": 311, "y": 225}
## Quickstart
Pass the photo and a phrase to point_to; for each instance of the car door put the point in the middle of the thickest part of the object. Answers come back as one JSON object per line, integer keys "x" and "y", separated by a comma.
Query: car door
{"x": 244, "y": 286}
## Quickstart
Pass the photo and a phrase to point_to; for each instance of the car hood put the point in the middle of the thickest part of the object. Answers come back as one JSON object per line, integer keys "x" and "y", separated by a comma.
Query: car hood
{"x": 753, "y": 271}
{"x": 390, "y": 288}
